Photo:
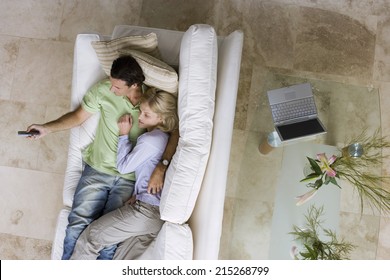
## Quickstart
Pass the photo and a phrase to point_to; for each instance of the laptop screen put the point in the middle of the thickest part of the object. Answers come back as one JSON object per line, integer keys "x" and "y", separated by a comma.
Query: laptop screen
{"x": 300, "y": 129}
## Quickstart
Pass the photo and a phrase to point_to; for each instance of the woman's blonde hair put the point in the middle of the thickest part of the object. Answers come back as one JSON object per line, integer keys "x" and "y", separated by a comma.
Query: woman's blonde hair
{"x": 165, "y": 105}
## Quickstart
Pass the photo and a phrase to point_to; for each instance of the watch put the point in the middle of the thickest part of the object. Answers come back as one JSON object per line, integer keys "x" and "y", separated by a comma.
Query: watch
{"x": 165, "y": 162}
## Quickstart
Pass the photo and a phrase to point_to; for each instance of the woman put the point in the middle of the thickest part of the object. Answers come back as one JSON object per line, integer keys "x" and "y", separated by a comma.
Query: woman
{"x": 141, "y": 216}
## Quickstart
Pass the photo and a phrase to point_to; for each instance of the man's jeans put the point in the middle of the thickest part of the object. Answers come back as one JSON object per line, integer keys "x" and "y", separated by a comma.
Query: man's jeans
{"x": 96, "y": 194}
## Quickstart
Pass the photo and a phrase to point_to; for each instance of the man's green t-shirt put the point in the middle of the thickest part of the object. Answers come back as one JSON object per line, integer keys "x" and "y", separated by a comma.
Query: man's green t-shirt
{"x": 101, "y": 154}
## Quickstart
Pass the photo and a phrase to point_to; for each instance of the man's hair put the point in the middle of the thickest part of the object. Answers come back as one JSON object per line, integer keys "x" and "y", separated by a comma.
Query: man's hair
{"x": 127, "y": 69}
{"x": 163, "y": 104}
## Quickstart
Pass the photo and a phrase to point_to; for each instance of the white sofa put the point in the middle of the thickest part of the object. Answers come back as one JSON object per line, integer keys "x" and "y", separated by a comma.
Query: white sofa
{"x": 207, "y": 65}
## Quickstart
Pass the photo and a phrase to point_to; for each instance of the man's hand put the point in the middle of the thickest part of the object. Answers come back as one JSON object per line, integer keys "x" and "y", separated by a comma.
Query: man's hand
{"x": 125, "y": 123}
{"x": 38, "y": 127}
{"x": 156, "y": 181}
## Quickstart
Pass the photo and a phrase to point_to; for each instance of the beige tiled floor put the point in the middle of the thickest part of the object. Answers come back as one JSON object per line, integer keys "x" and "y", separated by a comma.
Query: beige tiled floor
{"x": 342, "y": 47}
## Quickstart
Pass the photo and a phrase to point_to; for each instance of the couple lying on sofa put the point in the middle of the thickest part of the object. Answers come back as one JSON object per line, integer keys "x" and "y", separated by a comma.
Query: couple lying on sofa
{"x": 121, "y": 160}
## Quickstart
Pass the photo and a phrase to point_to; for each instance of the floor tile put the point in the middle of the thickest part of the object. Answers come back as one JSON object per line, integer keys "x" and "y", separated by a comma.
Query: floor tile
{"x": 365, "y": 229}
{"x": 16, "y": 151}
{"x": 383, "y": 252}
{"x": 173, "y": 14}
{"x": 14, "y": 247}
{"x": 322, "y": 45}
{"x": 30, "y": 202}
{"x": 89, "y": 16}
{"x": 9, "y": 49}
{"x": 29, "y": 19}
{"x": 251, "y": 230}
{"x": 52, "y": 83}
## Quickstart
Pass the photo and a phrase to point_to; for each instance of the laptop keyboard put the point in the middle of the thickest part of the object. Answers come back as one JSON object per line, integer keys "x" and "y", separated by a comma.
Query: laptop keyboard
{"x": 293, "y": 109}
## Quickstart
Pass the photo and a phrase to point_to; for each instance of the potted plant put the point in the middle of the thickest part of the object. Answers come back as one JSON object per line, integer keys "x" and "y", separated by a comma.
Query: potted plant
{"x": 355, "y": 164}
{"x": 315, "y": 248}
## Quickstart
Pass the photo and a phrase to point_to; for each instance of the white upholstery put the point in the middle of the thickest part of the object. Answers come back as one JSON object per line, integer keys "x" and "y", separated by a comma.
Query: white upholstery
{"x": 198, "y": 74}
{"x": 175, "y": 239}
{"x": 206, "y": 220}
{"x": 62, "y": 222}
{"x": 174, "y": 242}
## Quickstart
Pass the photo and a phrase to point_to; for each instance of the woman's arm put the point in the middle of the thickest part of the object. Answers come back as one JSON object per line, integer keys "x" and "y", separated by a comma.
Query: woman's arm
{"x": 129, "y": 159}
{"x": 124, "y": 148}
{"x": 157, "y": 178}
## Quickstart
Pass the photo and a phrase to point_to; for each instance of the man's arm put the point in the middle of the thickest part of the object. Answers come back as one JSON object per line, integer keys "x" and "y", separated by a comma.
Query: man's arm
{"x": 157, "y": 178}
{"x": 64, "y": 122}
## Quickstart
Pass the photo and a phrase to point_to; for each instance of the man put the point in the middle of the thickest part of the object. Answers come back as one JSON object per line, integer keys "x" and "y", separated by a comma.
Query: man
{"x": 102, "y": 188}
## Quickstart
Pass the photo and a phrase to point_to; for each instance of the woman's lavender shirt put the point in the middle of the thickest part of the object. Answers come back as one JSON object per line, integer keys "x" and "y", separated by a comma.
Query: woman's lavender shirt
{"x": 142, "y": 160}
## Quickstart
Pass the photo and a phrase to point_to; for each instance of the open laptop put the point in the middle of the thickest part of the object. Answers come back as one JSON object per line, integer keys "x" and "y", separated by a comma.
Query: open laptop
{"x": 294, "y": 112}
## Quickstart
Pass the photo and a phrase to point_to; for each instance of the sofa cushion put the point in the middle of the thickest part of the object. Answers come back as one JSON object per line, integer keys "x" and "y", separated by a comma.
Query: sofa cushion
{"x": 107, "y": 51}
{"x": 174, "y": 242}
{"x": 86, "y": 72}
{"x": 198, "y": 68}
{"x": 157, "y": 73}
{"x": 169, "y": 41}
{"x": 58, "y": 242}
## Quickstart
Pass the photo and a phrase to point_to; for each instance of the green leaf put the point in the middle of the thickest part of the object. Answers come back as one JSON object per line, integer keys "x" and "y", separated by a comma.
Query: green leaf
{"x": 334, "y": 181}
{"x": 318, "y": 184}
{"x": 306, "y": 255}
{"x": 327, "y": 179}
{"x": 313, "y": 253}
{"x": 315, "y": 166}
{"x": 310, "y": 177}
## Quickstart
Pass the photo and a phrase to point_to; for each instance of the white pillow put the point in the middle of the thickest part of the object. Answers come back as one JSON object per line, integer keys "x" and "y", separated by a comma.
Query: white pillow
{"x": 174, "y": 242}
{"x": 108, "y": 51}
{"x": 198, "y": 74}
{"x": 168, "y": 40}
{"x": 157, "y": 73}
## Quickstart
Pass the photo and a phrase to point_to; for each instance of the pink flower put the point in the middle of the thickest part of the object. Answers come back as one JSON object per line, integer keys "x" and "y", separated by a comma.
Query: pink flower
{"x": 294, "y": 252}
{"x": 305, "y": 197}
{"x": 325, "y": 164}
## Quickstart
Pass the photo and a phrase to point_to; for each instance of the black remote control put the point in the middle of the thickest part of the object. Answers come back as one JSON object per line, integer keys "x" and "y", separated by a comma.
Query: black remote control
{"x": 28, "y": 133}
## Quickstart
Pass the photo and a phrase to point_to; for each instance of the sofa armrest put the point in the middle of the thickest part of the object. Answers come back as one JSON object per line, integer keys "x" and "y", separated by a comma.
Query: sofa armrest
{"x": 86, "y": 72}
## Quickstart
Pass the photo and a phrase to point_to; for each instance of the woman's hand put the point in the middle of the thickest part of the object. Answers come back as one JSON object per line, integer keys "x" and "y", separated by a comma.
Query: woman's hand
{"x": 131, "y": 200}
{"x": 125, "y": 123}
